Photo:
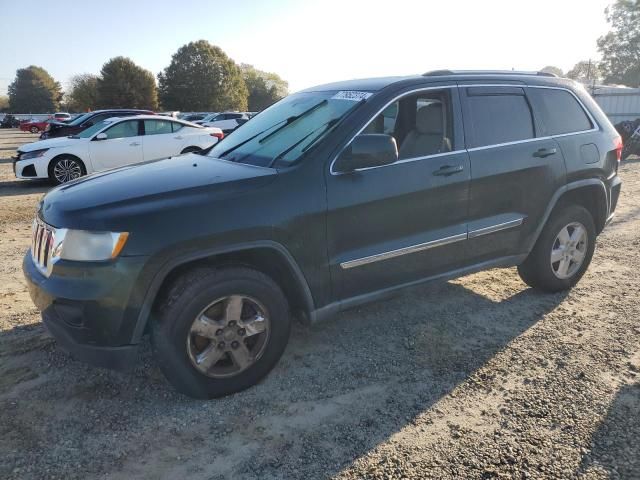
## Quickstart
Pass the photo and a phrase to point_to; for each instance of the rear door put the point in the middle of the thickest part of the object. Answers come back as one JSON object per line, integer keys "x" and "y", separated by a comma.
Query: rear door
{"x": 515, "y": 170}
{"x": 160, "y": 140}
{"x": 123, "y": 146}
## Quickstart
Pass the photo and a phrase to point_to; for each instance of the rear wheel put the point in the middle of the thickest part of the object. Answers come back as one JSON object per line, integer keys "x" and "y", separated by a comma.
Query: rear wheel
{"x": 34, "y": 129}
{"x": 65, "y": 168}
{"x": 563, "y": 252}
{"x": 220, "y": 331}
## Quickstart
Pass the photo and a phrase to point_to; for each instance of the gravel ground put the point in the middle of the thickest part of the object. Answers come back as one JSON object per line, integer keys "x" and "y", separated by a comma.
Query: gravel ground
{"x": 479, "y": 377}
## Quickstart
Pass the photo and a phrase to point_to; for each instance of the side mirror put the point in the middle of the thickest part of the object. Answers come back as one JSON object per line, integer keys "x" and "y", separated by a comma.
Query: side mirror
{"x": 101, "y": 136}
{"x": 368, "y": 150}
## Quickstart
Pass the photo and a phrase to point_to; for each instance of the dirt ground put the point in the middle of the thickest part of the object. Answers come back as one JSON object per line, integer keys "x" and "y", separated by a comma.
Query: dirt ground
{"x": 480, "y": 377}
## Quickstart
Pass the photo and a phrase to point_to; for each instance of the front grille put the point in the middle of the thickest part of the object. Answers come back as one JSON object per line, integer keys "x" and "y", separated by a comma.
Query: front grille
{"x": 42, "y": 241}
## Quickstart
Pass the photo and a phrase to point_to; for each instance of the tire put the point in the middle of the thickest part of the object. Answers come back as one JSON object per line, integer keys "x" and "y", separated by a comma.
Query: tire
{"x": 73, "y": 167}
{"x": 539, "y": 272}
{"x": 34, "y": 130}
{"x": 191, "y": 150}
{"x": 179, "y": 346}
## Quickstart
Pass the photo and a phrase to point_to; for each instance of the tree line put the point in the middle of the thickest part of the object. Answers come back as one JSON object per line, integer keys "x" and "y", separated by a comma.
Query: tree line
{"x": 619, "y": 50}
{"x": 200, "y": 78}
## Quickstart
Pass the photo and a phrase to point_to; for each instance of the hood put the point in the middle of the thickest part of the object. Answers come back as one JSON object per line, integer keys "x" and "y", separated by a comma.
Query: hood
{"x": 114, "y": 197}
{"x": 50, "y": 143}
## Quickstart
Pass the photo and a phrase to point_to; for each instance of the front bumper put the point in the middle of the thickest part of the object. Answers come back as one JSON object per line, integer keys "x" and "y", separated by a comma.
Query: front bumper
{"x": 87, "y": 308}
{"x": 32, "y": 168}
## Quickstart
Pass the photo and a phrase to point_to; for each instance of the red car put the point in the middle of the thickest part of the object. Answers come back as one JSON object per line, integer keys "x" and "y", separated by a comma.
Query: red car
{"x": 35, "y": 126}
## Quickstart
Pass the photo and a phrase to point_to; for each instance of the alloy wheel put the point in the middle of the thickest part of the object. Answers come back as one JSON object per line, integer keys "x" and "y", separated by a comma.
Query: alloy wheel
{"x": 66, "y": 170}
{"x": 228, "y": 336}
{"x": 569, "y": 250}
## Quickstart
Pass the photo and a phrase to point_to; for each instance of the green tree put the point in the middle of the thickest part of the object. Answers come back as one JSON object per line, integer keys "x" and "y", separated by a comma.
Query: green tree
{"x": 555, "y": 70}
{"x": 4, "y": 103}
{"x": 620, "y": 48}
{"x": 586, "y": 72}
{"x": 83, "y": 93}
{"x": 34, "y": 91}
{"x": 201, "y": 77}
{"x": 123, "y": 84}
{"x": 264, "y": 88}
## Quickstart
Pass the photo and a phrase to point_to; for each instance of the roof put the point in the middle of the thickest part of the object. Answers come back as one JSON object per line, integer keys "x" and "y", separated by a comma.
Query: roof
{"x": 142, "y": 117}
{"x": 376, "y": 84}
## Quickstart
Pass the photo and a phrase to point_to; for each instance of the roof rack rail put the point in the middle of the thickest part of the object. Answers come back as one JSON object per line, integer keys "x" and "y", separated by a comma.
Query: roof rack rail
{"x": 436, "y": 73}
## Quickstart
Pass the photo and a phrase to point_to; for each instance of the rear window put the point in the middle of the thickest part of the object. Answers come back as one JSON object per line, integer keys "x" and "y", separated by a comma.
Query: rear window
{"x": 499, "y": 119}
{"x": 559, "y": 111}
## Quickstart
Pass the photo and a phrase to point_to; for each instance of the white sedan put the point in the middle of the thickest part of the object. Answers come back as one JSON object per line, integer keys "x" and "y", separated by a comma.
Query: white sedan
{"x": 112, "y": 143}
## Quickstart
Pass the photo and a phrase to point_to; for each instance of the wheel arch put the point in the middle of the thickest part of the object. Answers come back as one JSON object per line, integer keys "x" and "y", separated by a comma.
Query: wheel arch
{"x": 589, "y": 193}
{"x": 61, "y": 155}
{"x": 268, "y": 257}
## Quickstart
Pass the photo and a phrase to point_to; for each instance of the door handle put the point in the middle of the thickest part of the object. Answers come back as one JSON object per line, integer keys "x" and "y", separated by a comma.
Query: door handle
{"x": 446, "y": 170}
{"x": 545, "y": 152}
{"x": 134, "y": 144}
{"x": 179, "y": 137}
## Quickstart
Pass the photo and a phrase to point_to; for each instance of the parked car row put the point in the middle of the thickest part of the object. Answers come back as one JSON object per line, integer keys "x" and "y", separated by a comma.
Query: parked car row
{"x": 227, "y": 121}
{"x": 107, "y": 139}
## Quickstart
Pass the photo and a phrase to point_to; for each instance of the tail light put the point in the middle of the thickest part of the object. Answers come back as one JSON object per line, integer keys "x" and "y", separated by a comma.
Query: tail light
{"x": 619, "y": 146}
{"x": 218, "y": 135}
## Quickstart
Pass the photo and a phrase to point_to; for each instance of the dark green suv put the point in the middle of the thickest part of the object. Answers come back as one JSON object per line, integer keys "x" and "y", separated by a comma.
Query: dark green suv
{"x": 330, "y": 198}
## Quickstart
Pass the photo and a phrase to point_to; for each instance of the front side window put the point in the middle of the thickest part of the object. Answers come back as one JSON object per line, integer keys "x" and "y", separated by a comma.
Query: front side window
{"x": 287, "y": 129}
{"x": 176, "y": 126}
{"x": 500, "y": 118}
{"x": 420, "y": 123}
{"x": 157, "y": 127}
{"x": 560, "y": 111}
{"x": 123, "y": 130}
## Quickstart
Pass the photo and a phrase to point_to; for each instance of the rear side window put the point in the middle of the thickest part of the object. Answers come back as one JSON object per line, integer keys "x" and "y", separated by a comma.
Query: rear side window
{"x": 559, "y": 111}
{"x": 499, "y": 119}
{"x": 157, "y": 127}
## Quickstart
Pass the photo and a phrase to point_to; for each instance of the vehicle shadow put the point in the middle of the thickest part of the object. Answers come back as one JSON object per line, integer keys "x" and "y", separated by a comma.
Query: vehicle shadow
{"x": 616, "y": 444}
{"x": 341, "y": 389}
{"x": 24, "y": 187}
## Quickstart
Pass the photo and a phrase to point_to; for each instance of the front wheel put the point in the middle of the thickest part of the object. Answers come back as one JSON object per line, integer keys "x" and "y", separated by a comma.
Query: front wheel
{"x": 219, "y": 331}
{"x": 64, "y": 169}
{"x": 563, "y": 251}
{"x": 35, "y": 129}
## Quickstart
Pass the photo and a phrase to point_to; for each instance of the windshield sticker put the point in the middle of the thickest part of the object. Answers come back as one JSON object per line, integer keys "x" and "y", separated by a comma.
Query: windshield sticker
{"x": 352, "y": 95}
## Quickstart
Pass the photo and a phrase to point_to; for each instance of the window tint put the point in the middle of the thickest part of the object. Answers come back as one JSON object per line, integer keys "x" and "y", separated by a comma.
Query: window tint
{"x": 123, "y": 129}
{"x": 499, "y": 119}
{"x": 385, "y": 122}
{"x": 420, "y": 123}
{"x": 176, "y": 126}
{"x": 157, "y": 127}
{"x": 560, "y": 111}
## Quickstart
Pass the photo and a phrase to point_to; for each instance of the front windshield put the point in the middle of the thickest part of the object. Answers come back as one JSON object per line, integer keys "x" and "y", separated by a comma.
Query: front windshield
{"x": 284, "y": 131}
{"x": 80, "y": 119}
{"x": 209, "y": 117}
{"x": 92, "y": 129}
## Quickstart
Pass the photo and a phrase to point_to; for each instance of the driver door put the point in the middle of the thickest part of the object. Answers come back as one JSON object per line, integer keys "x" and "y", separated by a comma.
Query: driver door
{"x": 123, "y": 146}
{"x": 399, "y": 223}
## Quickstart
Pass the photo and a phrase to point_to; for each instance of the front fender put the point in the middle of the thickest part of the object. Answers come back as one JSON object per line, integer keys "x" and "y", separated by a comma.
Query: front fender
{"x": 160, "y": 274}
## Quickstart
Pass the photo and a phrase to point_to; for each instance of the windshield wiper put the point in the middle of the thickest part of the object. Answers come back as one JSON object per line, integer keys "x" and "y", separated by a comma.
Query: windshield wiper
{"x": 323, "y": 129}
{"x": 295, "y": 118}
{"x": 226, "y": 152}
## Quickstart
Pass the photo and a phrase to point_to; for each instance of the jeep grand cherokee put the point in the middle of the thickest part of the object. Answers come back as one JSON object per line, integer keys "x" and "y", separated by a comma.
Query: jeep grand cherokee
{"x": 330, "y": 198}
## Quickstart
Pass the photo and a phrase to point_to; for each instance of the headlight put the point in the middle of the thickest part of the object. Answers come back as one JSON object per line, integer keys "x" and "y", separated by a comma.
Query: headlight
{"x": 83, "y": 245}
{"x": 34, "y": 154}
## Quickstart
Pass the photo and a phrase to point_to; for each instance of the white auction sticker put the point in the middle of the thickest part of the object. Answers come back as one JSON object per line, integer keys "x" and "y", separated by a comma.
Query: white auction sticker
{"x": 352, "y": 95}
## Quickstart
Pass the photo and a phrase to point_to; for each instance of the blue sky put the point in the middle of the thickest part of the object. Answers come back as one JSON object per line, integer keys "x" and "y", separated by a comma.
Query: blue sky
{"x": 305, "y": 42}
